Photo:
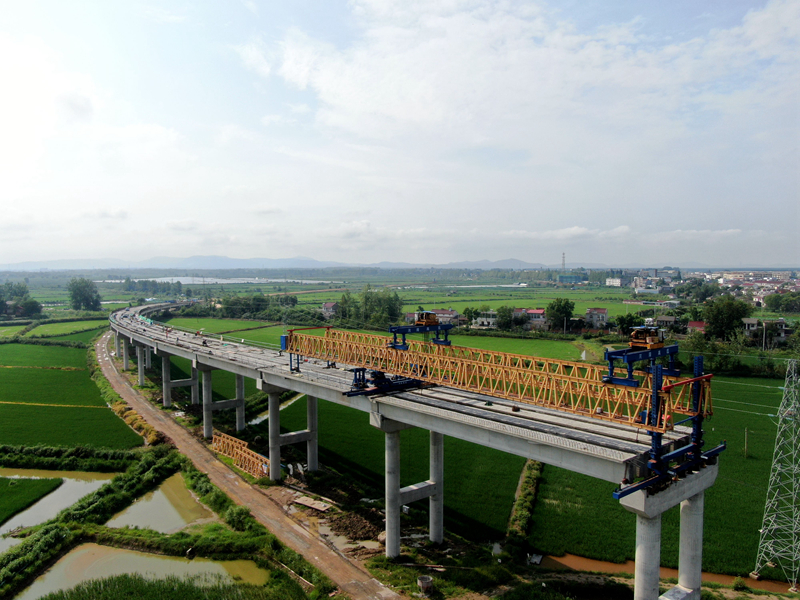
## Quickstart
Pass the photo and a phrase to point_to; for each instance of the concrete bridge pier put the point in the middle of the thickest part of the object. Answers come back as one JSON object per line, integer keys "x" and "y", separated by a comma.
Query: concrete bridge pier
{"x": 208, "y": 425}
{"x": 117, "y": 349}
{"x": 148, "y": 358}
{"x": 140, "y": 362}
{"x": 276, "y": 439}
{"x": 126, "y": 354}
{"x": 240, "y": 422}
{"x": 396, "y": 496}
{"x": 689, "y": 493}
{"x": 436, "y": 501}
{"x": 167, "y": 383}
{"x": 312, "y": 422}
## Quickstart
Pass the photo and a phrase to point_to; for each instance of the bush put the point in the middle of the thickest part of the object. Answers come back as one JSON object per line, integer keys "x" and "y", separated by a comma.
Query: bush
{"x": 740, "y": 585}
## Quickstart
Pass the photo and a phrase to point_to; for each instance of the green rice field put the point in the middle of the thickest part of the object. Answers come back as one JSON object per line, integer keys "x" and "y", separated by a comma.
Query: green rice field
{"x": 42, "y": 356}
{"x": 10, "y": 330}
{"x": 55, "y": 329}
{"x": 48, "y": 386}
{"x": 214, "y": 325}
{"x": 577, "y": 514}
{"x": 68, "y": 426}
{"x": 82, "y": 336}
{"x": 18, "y": 494}
{"x": 479, "y": 482}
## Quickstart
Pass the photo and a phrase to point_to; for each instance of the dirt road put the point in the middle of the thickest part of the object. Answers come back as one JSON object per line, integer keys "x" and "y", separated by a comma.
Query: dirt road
{"x": 266, "y": 505}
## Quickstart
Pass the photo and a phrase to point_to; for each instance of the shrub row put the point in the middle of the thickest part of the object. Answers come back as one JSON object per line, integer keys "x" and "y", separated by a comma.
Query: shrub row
{"x": 24, "y": 562}
{"x": 78, "y": 458}
{"x": 522, "y": 513}
{"x": 153, "y": 467}
{"x": 43, "y": 342}
{"x": 138, "y": 424}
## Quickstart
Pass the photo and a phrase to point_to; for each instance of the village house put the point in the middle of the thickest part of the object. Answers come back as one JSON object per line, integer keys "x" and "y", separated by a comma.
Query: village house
{"x": 696, "y": 326}
{"x": 329, "y": 309}
{"x": 596, "y": 318}
{"x": 536, "y": 318}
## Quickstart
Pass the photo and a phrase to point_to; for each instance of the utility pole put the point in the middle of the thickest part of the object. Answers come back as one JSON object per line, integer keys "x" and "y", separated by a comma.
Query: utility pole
{"x": 779, "y": 544}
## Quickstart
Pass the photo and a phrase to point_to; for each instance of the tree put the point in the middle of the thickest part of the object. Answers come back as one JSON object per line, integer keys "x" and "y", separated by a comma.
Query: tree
{"x": 724, "y": 315}
{"x": 83, "y": 294}
{"x": 558, "y": 312}
{"x": 505, "y": 317}
{"x": 627, "y": 321}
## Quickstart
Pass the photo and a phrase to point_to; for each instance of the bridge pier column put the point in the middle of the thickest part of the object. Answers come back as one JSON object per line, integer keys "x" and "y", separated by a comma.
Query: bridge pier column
{"x": 312, "y": 422}
{"x": 392, "y": 493}
{"x": 648, "y": 557}
{"x": 148, "y": 364}
{"x": 436, "y": 501}
{"x": 690, "y": 560}
{"x": 140, "y": 363}
{"x": 274, "y": 435}
{"x": 689, "y": 493}
{"x": 166, "y": 380}
{"x": 208, "y": 425}
{"x": 117, "y": 349}
{"x": 195, "y": 386}
{"x": 240, "y": 424}
{"x": 126, "y": 354}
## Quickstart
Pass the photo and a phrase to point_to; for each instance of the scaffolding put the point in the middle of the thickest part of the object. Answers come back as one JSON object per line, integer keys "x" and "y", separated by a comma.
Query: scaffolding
{"x": 779, "y": 544}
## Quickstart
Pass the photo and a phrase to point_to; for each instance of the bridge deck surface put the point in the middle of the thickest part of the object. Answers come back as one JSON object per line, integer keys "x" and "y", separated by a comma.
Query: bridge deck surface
{"x": 615, "y": 443}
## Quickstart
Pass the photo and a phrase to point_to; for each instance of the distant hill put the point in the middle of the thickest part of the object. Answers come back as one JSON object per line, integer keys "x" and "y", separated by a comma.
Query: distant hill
{"x": 303, "y": 262}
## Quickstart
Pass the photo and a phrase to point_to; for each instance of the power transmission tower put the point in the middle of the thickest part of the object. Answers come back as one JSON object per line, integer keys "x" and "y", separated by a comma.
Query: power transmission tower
{"x": 779, "y": 545}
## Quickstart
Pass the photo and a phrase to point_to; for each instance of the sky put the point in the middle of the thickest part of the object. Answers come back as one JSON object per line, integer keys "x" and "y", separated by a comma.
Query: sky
{"x": 617, "y": 132}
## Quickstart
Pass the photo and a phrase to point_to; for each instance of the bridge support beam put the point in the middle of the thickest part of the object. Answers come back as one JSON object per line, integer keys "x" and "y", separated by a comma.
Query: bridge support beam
{"x": 140, "y": 351}
{"x": 689, "y": 493}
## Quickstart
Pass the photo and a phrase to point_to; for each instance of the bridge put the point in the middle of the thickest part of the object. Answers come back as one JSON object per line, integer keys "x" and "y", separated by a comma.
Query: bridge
{"x": 556, "y": 412}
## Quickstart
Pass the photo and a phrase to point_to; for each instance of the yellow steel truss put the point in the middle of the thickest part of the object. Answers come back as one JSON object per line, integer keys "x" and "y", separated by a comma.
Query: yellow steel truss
{"x": 248, "y": 461}
{"x": 562, "y": 385}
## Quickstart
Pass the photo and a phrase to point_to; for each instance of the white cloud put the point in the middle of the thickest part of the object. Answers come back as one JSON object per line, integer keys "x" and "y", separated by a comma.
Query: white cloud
{"x": 161, "y": 15}
{"x": 253, "y": 55}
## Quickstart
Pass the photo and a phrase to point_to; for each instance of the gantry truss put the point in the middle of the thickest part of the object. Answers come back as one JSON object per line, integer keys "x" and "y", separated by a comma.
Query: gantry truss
{"x": 779, "y": 544}
{"x": 562, "y": 385}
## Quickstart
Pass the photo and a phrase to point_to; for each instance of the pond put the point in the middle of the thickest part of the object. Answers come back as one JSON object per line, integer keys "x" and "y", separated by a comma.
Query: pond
{"x": 92, "y": 561}
{"x": 167, "y": 509}
{"x": 77, "y": 484}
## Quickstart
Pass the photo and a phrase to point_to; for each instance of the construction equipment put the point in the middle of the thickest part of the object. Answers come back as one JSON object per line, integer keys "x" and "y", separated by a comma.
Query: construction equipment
{"x": 646, "y": 400}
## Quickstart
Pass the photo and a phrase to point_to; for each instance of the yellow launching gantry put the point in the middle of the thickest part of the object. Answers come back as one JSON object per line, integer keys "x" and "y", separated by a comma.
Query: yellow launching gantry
{"x": 572, "y": 387}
